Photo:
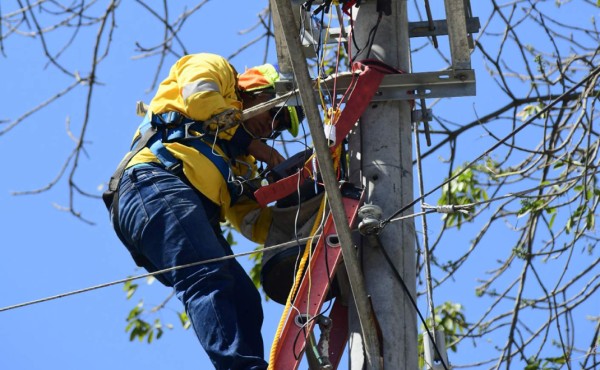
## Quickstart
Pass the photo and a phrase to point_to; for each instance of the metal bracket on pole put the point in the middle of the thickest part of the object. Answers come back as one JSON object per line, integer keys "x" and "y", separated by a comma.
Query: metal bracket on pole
{"x": 418, "y": 116}
{"x": 425, "y": 121}
{"x": 440, "y": 28}
{"x": 409, "y": 86}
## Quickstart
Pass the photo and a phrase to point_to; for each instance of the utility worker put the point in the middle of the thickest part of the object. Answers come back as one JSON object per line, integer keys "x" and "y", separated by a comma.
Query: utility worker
{"x": 191, "y": 156}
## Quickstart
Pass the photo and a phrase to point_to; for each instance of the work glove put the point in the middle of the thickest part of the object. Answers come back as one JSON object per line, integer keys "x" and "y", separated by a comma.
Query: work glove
{"x": 222, "y": 121}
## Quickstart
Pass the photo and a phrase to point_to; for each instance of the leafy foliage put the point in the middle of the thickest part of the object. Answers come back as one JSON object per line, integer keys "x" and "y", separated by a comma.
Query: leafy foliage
{"x": 450, "y": 319}
{"x": 463, "y": 189}
{"x": 138, "y": 326}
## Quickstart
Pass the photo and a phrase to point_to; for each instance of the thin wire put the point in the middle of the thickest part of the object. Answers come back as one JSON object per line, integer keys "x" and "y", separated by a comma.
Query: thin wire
{"x": 427, "y": 256}
{"x": 372, "y": 34}
{"x": 410, "y": 297}
{"x": 591, "y": 75}
{"x": 433, "y": 209}
{"x": 120, "y": 281}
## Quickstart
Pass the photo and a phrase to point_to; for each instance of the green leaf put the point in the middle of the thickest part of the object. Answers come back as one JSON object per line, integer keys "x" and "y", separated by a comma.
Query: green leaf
{"x": 533, "y": 364}
{"x": 590, "y": 220}
{"x": 557, "y": 360}
{"x": 184, "y": 320}
{"x": 551, "y": 222}
{"x": 130, "y": 288}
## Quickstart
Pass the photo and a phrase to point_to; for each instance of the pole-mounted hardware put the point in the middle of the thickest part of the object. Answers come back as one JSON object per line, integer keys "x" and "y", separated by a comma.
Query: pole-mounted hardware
{"x": 370, "y": 215}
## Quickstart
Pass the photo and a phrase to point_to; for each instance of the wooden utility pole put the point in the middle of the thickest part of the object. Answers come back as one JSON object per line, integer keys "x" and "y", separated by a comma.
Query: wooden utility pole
{"x": 381, "y": 157}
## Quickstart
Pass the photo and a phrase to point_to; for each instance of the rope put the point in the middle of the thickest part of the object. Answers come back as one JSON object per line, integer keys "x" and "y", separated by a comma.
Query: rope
{"x": 120, "y": 281}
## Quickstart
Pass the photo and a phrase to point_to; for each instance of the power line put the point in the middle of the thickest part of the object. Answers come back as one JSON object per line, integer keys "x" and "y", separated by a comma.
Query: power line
{"x": 120, "y": 281}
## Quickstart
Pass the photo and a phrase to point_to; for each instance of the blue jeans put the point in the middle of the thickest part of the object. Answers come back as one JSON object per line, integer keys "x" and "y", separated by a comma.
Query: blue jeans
{"x": 164, "y": 222}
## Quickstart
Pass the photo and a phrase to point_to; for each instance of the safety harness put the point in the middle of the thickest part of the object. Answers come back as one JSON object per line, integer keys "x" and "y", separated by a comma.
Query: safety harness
{"x": 158, "y": 129}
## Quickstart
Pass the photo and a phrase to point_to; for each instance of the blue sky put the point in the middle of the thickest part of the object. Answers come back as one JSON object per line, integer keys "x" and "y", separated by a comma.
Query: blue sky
{"x": 47, "y": 252}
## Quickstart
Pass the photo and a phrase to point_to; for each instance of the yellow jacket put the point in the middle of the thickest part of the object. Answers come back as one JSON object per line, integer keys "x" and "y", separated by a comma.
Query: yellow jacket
{"x": 200, "y": 86}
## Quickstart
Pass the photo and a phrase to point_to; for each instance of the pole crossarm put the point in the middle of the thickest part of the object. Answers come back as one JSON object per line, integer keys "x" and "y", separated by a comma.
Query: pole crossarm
{"x": 406, "y": 86}
{"x": 283, "y": 10}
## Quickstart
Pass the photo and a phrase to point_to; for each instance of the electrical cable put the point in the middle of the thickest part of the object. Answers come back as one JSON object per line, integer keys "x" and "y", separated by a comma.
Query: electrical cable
{"x": 137, "y": 277}
{"x": 410, "y": 297}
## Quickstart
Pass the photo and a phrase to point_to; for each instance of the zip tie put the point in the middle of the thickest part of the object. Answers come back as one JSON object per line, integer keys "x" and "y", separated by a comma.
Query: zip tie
{"x": 449, "y": 208}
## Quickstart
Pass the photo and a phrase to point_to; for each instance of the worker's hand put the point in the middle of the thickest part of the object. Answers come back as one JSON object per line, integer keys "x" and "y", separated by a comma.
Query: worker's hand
{"x": 264, "y": 153}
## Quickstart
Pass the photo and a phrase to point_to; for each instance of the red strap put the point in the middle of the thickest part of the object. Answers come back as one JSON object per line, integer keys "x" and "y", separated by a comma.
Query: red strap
{"x": 368, "y": 82}
{"x": 281, "y": 188}
{"x": 347, "y": 5}
{"x": 369, "y": 79}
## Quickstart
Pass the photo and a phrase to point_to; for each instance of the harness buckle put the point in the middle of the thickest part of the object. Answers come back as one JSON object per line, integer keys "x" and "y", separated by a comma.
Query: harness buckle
{"x": 186, "y": 131}
{"x": 176, "y": 168}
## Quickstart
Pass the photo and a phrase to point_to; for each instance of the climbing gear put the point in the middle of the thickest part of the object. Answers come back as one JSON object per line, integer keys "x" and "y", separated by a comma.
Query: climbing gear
{"x": 157, "y": 129}
{"x": 261, "y": 79}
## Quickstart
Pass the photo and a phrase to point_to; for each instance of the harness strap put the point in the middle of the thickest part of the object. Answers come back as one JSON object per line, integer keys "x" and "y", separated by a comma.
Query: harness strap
{"x": 157, "y": 129}
{"x": 111, "y": 196}
{"x": 369, "y": 79}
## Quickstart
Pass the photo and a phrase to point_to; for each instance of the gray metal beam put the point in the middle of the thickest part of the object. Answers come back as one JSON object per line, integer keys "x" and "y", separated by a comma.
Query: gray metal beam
{"x": 415, "y": 29}
{"x": 409, "y": 86}
{"x": 440, "y": 27}
{"x": 457, "y": 32}
{"x": 419, "y": 85}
